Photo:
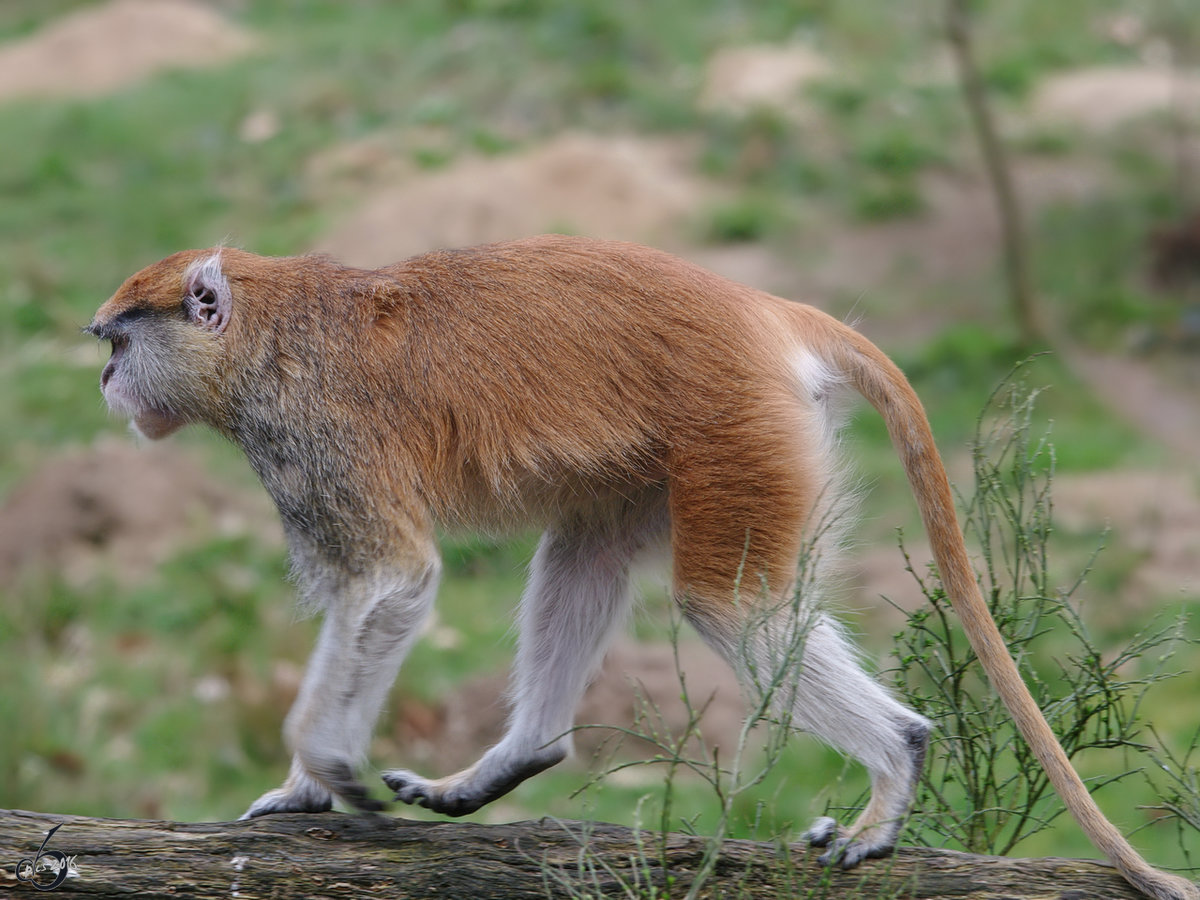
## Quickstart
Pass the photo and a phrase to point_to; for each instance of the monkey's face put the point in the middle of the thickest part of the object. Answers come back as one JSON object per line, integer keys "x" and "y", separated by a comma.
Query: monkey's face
{"x": 165, "y": 325}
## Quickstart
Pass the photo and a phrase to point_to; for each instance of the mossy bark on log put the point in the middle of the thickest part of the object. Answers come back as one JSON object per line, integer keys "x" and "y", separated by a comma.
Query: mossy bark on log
{"x": 335, "y": 855}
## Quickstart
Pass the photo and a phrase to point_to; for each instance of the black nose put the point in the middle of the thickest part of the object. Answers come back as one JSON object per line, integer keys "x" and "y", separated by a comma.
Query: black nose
{"x": 107, "y": 374}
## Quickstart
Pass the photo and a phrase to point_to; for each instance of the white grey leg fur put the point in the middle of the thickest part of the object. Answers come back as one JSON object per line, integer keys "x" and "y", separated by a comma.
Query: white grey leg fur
{"x": 831, "y": 696}
{"x": 839, "y": 703}
{"x": 369, "y": 627}
{"x": 578, "y": 594}
{"x": 826, "y": 692}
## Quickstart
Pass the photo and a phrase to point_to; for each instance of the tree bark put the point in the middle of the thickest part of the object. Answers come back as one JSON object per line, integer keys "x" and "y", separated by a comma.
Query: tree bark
{"x": 334, "y": 855}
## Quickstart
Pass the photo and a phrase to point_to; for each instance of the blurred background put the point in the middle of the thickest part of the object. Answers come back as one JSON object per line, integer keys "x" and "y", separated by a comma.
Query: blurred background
{"x": 827, "y": 152}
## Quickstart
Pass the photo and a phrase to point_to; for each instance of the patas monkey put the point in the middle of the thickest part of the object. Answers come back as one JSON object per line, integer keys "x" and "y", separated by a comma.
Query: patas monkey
{"x": 608, "y": 393}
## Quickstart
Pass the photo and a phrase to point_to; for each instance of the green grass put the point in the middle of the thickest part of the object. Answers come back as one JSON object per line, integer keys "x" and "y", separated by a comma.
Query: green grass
{"x": 104, "y": 683}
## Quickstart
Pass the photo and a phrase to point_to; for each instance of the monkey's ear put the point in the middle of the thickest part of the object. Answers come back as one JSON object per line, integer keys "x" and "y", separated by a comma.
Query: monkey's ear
{"x": 208, "y": 300}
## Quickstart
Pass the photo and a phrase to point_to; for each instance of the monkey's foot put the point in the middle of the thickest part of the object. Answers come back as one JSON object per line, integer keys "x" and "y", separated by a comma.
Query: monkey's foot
{"x": 462, "y": 794}
{"x": 844, "y": 851}
{"x": 302, "y": 792}
{"x": 285, "y": 800}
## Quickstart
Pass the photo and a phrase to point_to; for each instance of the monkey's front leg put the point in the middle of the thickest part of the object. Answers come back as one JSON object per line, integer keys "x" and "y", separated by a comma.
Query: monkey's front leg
{"x": 578, "y": 592}
{"x": 368, "y": 630}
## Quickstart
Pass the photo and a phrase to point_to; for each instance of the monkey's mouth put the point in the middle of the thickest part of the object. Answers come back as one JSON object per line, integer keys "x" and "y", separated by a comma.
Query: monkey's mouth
{"x": 150, "y": 421}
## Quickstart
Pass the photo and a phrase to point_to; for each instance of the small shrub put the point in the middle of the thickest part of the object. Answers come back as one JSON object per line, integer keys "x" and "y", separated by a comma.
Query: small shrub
{"x": 749, "y": 218}
{"x": 984, "y": 790}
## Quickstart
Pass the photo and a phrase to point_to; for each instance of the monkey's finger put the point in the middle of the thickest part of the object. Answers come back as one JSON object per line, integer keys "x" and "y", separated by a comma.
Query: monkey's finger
{"x": 409, "y": 787}
{"x": 820, "y": 832}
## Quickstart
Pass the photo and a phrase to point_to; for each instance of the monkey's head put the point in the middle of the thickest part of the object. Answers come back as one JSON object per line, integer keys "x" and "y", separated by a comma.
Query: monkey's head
{"x": 167, "y": 325}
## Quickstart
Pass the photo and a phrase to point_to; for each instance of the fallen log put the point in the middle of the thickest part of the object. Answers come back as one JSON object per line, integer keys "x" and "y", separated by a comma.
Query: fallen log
{"x": 334, "y": 855}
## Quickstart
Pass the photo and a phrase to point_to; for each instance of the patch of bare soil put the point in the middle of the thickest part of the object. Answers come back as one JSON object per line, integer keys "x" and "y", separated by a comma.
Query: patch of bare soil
{"x": 106, "y": 47}
{"x": 118, "y": 509}
{"x": 1103, "y": 98}
{"x": 1154, "y": 515}
{"x": 649, "y": 672}
{"x": 762, "y": 76}
{"x": 879, "y": 587}
{"x": 956, "y": 236}
{"x": 1134, "y": 391}
{"x": 614, "y": 187}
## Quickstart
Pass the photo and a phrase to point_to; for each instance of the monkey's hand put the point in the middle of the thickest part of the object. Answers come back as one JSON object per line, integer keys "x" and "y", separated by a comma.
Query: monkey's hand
{"x": 454, "y": 796}
{"x": 844, "y": 850}
{"x": 458, "y": 795}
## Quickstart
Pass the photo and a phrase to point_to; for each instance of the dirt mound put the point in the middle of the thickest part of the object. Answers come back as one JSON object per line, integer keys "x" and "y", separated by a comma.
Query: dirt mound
{"x": 1102, "y": 98}
{"x": 762, "y": 76}
{"x": 115, "y": 508}
{"x": 104, "y": 48}
{"x": 955, "y": 236}
{"x": 624, "y": 187}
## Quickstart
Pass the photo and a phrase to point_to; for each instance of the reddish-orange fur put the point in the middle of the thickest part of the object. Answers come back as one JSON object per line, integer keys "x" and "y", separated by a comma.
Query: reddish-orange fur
{"x": 542, "y": 382}
{"x": 705, "y": 405}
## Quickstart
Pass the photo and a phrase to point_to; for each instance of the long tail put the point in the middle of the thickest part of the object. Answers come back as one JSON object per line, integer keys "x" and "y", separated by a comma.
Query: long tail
{"x": 879, "y": 380}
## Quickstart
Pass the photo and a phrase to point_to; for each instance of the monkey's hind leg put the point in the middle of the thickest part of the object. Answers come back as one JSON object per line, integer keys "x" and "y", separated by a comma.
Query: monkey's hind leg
{"x": 578, "y": 593}
{"x": 825, "y": 692}
{"x": 735, "y": 573}
{"x": 368, "y": 629}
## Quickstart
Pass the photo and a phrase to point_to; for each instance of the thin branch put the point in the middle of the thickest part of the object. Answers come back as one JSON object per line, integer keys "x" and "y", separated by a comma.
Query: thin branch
{"x": 1015, "y": 244}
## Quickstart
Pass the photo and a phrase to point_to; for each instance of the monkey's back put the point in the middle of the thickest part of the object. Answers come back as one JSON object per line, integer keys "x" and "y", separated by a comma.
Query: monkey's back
{"x": 575, "y": 363}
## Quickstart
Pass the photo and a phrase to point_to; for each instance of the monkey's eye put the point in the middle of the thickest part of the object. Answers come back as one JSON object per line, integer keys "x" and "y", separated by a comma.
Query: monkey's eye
{"x": 118, "y": 328}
